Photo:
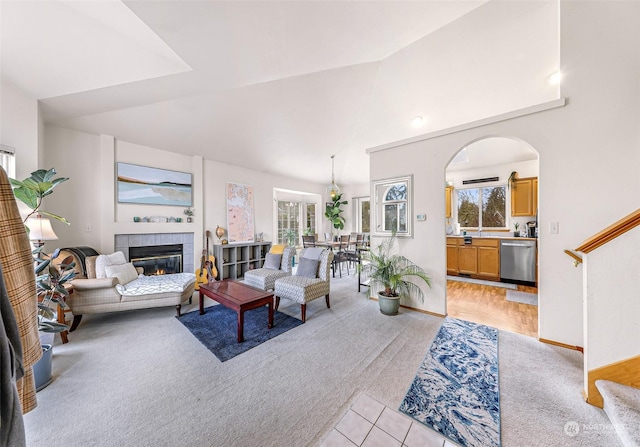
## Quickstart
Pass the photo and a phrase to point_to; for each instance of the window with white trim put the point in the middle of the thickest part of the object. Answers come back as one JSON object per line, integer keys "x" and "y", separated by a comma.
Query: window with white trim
{"x": 8, "y": 160}
{"x": 393, "y": 206}
{"x": 483, "y": 207}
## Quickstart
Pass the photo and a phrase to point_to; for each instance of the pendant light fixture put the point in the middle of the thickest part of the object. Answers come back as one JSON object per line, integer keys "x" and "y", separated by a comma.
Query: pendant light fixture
{"x": 333, "y": 189}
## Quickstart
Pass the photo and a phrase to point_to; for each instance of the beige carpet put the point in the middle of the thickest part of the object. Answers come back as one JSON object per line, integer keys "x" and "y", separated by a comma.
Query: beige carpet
{"x": 141, "y": 379}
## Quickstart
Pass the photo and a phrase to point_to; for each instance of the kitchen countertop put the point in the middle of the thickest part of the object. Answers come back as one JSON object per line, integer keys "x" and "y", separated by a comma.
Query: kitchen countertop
{"x": 493, "y": 237}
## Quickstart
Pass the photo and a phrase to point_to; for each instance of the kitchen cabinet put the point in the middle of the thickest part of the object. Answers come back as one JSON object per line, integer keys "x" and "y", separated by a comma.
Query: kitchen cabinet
{"x": 489, "y": 259}
{"x": 480, "y": 259}
{"x": 468, "y": 260}
{"x": 452, "y": 256}
{"x": 448, "y": 197}
{"x": 524, "y": 197}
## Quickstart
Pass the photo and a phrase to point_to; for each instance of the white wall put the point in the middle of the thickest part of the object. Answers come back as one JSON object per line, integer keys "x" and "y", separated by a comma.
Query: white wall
{"x": 612, "y": 307}
{"x": 75, "y": 156}
{"x": 89, "y": 197}
{"x": 589, "y": 158}
{"x": 19, "y": 127}
{"x": 216, "y": 175}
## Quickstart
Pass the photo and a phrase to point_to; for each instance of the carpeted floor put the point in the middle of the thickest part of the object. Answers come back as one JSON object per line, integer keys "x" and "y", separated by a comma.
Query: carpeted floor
{"x": 139, "y": 379}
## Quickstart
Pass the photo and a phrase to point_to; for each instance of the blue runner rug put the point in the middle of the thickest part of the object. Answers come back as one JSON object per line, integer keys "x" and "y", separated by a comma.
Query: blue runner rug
{"x": 217, "y": 329}
{"x": 456, "y": 389}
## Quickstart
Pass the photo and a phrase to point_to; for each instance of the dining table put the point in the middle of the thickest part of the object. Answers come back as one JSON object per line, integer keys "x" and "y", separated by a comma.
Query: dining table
{"x": 336, "y": 244}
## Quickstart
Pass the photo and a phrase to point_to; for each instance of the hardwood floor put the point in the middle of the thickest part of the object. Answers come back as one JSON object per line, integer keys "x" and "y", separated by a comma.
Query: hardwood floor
{"x": 488, "y": 305}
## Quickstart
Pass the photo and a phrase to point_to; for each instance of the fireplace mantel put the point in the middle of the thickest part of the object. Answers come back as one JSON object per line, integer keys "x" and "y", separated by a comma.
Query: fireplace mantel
{"x": 154, "y": 228}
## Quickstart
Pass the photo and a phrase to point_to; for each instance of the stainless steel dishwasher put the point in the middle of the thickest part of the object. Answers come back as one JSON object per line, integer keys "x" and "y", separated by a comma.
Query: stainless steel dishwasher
{"x": 518, "y": 261}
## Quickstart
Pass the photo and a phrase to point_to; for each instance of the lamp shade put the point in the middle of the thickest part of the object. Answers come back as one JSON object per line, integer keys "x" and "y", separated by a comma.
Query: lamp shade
{"x": 40, "y": 229}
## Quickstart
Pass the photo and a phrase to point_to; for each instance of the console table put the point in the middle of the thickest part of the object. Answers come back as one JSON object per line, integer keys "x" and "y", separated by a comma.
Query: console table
{"x": 233, "y": 260}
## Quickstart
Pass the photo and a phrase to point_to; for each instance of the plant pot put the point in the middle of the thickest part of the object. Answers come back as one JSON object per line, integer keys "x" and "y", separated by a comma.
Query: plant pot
{"x": 42, "y": 368}
{"x": 189, "y": 219}
{"x": 389, "y": 305}
{"x": 516, "y": 234}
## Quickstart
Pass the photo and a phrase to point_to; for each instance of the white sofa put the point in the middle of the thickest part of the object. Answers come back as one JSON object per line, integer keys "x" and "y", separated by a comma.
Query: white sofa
{"x": 114, "y": 285}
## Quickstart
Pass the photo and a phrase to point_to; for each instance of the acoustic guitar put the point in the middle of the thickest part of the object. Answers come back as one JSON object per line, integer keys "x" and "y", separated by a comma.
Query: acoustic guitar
{"x": 207, "y": 271}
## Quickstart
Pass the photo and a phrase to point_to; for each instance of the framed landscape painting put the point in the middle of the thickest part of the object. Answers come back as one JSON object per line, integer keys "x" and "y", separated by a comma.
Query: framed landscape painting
{"x": 153, "y": 186}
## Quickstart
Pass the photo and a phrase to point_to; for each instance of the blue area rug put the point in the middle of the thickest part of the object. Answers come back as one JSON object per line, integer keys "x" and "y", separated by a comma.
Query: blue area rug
{"x": 456, "y": 390}
{"x": 217, "y": 329}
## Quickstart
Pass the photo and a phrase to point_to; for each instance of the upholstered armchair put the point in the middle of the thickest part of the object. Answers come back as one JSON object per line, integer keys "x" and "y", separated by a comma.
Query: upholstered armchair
{"x": 311, "y": 281}
{"x": 277, "y": 265}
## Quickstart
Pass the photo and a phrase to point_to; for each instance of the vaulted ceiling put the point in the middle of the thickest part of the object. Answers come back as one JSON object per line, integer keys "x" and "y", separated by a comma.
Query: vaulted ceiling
{"x": 278, "y": 86}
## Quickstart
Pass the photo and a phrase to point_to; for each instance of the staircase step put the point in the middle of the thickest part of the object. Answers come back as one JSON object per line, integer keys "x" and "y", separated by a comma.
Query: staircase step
{"x": 622, "y": 406}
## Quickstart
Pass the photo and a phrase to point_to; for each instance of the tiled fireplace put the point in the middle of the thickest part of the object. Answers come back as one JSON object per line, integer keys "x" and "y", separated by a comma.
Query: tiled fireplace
{"x": 157, "y": 259}
{"x": 166, "y": 246}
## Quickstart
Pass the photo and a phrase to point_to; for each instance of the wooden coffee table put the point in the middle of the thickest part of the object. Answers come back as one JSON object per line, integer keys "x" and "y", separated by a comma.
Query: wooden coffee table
{"x": 239, "y": 297}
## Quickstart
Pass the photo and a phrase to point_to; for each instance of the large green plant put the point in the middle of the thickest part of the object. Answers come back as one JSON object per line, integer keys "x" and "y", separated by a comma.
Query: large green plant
{"x": 50, "y": 285}
{"x": 32, "y": 190}
{"x": 391, "y": 271}
{"x": 333, "y": 212}
{"x": 50, "y": 280}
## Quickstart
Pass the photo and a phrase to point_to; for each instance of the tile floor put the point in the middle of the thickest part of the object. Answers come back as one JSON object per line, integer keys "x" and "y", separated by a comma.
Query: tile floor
{"x": 368, "y": 423}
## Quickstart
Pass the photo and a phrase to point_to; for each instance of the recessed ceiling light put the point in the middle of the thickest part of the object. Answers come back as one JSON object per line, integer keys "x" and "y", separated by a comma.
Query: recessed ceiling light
{"x": 417, "y": 121}
{"x": 555, "y": 78}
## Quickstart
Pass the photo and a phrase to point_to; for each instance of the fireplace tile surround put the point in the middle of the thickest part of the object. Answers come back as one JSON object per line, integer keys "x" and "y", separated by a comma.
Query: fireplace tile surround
{"x": 124, "y": 241}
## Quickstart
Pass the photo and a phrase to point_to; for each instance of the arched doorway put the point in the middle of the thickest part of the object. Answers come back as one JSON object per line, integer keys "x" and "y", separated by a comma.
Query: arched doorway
{"x": 491, "y": 203}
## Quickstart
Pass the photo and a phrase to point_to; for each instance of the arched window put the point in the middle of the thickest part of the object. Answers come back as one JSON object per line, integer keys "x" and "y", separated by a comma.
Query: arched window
{"x": 393, "y": 206}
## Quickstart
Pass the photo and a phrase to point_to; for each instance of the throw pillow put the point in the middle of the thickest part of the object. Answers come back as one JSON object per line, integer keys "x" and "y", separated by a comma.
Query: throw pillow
{"x": 277, "y": 249}
{"x": 104, "y": 260}
{"x": 272, "y": 261}
{"x": 124, "y": 272}
{"x": 307, "y": 268}
{"x": 312, "y": 252}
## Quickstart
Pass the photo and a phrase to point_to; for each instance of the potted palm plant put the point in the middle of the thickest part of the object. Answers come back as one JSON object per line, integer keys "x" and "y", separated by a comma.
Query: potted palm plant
{"x": 391, "y": 272}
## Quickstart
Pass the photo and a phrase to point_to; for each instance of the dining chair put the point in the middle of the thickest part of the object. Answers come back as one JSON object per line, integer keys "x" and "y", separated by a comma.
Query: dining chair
{"x": 308, "y": 241}
{"x": 341, "y": 256}
{"x": 353, "y": 250}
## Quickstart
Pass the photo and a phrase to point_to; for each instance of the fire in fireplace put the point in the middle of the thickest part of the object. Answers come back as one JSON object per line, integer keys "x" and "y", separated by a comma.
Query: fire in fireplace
{"x": 157, "y": 259}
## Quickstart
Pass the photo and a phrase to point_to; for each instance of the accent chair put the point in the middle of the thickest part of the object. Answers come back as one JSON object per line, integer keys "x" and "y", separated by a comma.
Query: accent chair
{"x": 276, "y": 265}
{"x": 311, "y": 281}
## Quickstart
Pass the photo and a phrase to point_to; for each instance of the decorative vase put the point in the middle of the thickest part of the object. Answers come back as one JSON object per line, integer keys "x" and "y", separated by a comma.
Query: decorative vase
{"x": 389, "y": 305}
{"x": 189, "y": 219}
{"x": 42, "y": 368}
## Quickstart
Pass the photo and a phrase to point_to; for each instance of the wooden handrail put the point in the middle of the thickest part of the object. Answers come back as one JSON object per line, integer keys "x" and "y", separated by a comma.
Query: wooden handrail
{"x": 576, "y": 259}
{"x": 611, "y": 232}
